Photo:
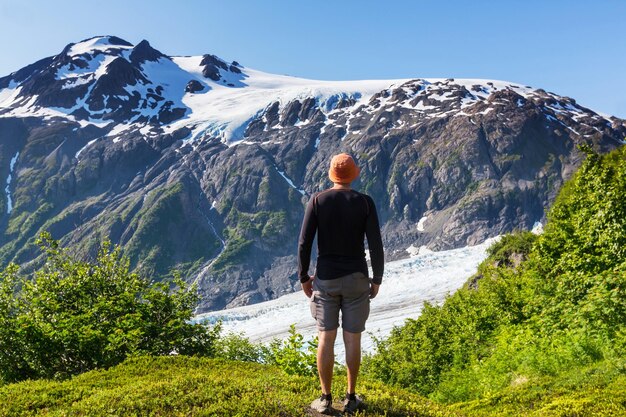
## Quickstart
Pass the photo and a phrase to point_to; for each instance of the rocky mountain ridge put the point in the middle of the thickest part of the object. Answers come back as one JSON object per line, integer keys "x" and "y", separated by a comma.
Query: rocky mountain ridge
{"x": 203, "y": 165}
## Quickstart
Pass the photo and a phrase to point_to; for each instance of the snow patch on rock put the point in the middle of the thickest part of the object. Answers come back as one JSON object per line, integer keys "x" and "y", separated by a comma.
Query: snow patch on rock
{"x": 421, "y": 223}
{"x": 7, "y": 189}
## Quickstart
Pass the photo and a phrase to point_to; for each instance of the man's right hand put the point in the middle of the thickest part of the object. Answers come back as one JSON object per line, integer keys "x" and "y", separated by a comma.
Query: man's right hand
{"x": 307, "y": 287}
{"x": 374, "y": 290}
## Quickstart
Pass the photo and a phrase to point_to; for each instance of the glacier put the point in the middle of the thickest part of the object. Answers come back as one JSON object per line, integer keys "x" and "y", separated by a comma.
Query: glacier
{"x": 407, "y": 284}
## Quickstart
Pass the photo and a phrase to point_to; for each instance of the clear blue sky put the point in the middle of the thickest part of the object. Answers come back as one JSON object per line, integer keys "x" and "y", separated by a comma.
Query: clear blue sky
{"x": 573, "y": 48}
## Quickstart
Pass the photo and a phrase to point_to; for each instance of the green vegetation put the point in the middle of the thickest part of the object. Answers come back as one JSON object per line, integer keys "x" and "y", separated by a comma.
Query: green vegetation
{"x": 153, "y": 248}
{"x": 93, "y": 339}
{"x": 597, "y": 390}
{"x": 503, "y": 159}
{"x": 74, "y": 316}
{"x": 188, "y": 386}
{"x": 24, "y": 225}
{"x": 541, "y": 330}
{"x": 235, "y": 250}
{"x": 147, "y": 246}
{"x": 510, "y": 249}
{"x": 293, "y": 355}
{"x": 264, "y": 226}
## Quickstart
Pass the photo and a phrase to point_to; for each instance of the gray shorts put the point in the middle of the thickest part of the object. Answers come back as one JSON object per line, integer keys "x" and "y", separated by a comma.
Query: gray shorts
{"x": 348, "y": 294}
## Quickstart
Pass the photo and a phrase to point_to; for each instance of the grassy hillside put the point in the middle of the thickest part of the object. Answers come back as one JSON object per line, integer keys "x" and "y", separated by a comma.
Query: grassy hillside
{"x": 597, "y": 390}
{"x": 188, "y": 386}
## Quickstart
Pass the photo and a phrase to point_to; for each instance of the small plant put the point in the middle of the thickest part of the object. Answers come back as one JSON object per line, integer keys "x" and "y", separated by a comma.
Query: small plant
{"x": 236, "y": 347}
{"x": 293, "y": 355}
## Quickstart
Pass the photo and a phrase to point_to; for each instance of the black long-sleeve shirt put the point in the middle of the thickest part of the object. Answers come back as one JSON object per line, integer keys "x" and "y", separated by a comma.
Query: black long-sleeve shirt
{"x": 342, "y": 219}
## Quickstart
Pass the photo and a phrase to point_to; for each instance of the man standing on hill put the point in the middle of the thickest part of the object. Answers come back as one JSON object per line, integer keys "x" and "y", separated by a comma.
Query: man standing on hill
{"x": 342, "y": 218}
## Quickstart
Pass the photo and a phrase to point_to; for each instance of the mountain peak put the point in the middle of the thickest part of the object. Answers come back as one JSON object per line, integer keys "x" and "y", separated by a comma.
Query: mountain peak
{"x": 143, "y": 52}
{"x": 97, "y": 43}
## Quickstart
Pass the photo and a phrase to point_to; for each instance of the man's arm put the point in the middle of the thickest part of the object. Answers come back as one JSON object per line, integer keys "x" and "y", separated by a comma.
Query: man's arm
{"x": 307, "y": 234}
{"x": 375, "y": 244}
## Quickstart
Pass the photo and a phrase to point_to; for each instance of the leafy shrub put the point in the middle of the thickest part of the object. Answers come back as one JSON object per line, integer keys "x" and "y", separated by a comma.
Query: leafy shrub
{"x": 293, "y": 355}
{"x": 73, "y": 316}
{"x": 517, "y": 244}
{"x": 447, "y": 337}
{"x": 238, "y": 348}
{"x": 562, "y": 307}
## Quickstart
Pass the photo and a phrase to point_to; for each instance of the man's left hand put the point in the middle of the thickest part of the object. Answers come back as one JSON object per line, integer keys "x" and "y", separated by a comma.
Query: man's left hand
{"x": 307, "y": 287}
{"x": 374, "y": 290}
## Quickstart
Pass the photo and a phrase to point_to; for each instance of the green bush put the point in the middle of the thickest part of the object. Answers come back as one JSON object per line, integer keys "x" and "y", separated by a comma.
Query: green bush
{"x": 447, "y": 337}
{"x": 516, "y": 245}
{"x": 238, "y": 348}
{"x": 73, "y": 316}
{"x": 292, "y": 354}
{"x": 539, "y": 307}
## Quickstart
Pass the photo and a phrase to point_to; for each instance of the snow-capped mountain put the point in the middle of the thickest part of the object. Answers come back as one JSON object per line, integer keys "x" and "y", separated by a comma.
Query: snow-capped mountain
{"x": 204, "y": 165}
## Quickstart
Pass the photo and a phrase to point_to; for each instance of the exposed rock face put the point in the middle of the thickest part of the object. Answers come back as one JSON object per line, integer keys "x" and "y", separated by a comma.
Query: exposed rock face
{"x": 143, "y": 52}
{"x": 218, "y": 70}
{"x": 196, "y": 164}
{"x": 194, "y": 86}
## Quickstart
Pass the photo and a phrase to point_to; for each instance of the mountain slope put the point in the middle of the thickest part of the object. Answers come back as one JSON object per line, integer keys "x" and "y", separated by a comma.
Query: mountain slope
{"x": 204, "y": 165}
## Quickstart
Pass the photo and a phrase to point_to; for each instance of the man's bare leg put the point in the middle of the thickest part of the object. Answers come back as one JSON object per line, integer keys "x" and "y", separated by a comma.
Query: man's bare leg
{"x": 352, "y": 341}
{"x": 326, "y": 358}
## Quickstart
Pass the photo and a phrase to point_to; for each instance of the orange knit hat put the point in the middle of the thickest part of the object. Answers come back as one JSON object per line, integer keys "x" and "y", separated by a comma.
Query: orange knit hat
{"x": 343, "y": 169}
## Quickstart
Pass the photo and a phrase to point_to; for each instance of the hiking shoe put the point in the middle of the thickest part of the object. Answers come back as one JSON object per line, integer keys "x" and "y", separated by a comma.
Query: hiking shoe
{"x": 352, "y": 403}
{"x": 323, "y": 405}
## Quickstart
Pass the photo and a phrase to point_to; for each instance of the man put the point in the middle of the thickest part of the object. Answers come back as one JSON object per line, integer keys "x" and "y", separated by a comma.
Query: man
{"x": 342, "y": 217}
